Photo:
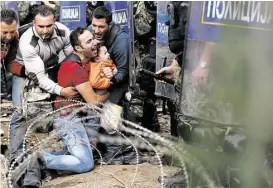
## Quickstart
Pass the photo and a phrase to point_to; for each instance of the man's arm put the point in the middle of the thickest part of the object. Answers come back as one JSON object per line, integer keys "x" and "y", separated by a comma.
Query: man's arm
{"x": 87, "y": 92}
{"x": 16, "y": 68}
{"x": 35, "y": 65}
{"x": 201, "y": 72}
{"x": 13, "y": 66}
{"x": 168, "y": 70}
{"x": 121, "y": 58}
{"x": 206, "y": 55}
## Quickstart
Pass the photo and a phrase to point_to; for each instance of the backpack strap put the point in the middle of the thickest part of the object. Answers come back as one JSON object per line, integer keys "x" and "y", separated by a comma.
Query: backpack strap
{"x": 75, "y": 58}
{"x": 23, "y": 28}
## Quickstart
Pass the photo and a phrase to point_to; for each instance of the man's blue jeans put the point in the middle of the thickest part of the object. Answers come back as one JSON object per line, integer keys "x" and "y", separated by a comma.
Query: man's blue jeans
{"x": 73, "y": 132}
{"x": 17, "y": 89}
{"x": 19, "y": 125}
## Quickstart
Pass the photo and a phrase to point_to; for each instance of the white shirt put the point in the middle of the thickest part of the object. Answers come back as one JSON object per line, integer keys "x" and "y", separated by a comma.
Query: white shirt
{"x": 33, "y": 52}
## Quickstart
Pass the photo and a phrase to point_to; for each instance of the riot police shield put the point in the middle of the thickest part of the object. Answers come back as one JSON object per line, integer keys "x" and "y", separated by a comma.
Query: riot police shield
{"x": 225, "y": 104}
{"x": 163, "y": 54}
{"x": 73, "y": 14}
{"x": 13, "y": 5}
{"x": 217, "y": 50}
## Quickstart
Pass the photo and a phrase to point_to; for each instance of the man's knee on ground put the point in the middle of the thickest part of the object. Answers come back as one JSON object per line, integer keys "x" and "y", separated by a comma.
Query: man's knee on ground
{"x": 86, "y": 167}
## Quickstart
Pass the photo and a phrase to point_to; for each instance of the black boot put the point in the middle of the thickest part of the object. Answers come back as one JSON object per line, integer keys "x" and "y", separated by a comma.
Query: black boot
{"x": 150, "y": 117}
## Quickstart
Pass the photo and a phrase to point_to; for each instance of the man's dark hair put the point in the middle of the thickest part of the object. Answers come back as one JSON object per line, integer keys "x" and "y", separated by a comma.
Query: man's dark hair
{"x": 103, "y": 12}
{"x": 74, "y": 37}
{"x": 44, "y": 11}
{"x": 8, "y": 16}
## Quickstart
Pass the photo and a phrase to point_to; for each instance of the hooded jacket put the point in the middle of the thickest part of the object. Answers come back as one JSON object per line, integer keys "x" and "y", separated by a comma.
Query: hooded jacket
{"x": 34, "y": 54}
{"x": 117, "y": 43}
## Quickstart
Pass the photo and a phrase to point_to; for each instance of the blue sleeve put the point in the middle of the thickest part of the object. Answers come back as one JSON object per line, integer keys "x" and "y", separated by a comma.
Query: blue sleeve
{"x": 121, "y": 59}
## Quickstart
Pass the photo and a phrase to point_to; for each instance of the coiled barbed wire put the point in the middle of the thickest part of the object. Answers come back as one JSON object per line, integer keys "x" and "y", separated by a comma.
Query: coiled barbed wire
{"x": 138, "y": 131}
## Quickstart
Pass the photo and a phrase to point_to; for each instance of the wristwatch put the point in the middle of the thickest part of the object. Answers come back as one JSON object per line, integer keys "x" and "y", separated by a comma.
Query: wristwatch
{"x": 203, "y": 64}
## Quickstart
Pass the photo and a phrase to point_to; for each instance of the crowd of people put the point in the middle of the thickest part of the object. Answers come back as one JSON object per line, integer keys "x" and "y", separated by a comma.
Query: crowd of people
{"x": 94, "y": 71}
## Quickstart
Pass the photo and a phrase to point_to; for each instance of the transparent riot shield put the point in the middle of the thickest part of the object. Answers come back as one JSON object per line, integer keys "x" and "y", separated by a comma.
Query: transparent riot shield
{"x": 216, "y": 59}
{"x": 163, "y": 54}
{"x": 225, "y": 101}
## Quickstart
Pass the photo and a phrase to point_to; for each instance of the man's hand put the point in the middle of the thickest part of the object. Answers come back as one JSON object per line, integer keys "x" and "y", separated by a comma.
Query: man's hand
{"x": 200, "y": 75}
{"x": 69, "y": 92}
{"x": 32, "y": 76}
{"x": 107, "y": 71}
{"x": 168, "y": 71}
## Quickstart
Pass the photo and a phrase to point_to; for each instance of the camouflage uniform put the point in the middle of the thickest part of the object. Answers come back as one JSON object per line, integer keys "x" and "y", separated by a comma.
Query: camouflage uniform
{"x": 23, "y": 10}
{"x": 142, "y": 18}
{"x": 173, "y": 104}
{"x": 90, "y": 7}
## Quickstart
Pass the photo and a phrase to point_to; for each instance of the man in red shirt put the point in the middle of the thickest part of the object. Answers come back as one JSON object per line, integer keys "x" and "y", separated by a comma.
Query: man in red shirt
{"x": 74, "y": 131}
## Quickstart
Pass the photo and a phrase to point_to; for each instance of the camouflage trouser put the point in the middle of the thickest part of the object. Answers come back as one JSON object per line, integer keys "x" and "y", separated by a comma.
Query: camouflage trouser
{"x": 20, "y": 123}
{"x": 173, "y": 115}
{"x": 142, "y": 19}
{"x": 173, "y": 107}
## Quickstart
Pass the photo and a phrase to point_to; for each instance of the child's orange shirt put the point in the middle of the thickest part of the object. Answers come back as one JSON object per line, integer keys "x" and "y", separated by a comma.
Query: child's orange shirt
{"x": 97, "y": 80}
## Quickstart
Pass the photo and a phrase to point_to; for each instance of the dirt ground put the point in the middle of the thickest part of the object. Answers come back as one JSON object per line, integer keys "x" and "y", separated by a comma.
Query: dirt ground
{"x": 114, "y": 176}
{"x": 147, "y": 176}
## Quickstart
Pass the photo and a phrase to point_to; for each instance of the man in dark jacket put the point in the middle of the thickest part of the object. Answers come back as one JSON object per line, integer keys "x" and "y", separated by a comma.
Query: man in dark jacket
{"x": 116, "y": 41}
{"x": 9, "y": 45}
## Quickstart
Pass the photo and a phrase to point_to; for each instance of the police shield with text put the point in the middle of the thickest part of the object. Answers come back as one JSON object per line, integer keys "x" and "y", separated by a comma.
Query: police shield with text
{"x": 224, "y": 109}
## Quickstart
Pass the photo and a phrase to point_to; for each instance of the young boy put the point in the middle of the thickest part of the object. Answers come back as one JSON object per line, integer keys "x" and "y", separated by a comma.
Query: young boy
{"x": 97, "y": 79}
{"x": 111, "y": 113}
